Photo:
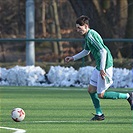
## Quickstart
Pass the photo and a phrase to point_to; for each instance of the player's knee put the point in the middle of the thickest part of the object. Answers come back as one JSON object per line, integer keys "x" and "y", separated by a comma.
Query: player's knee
{"x": 101, "y": 95}
{"x": 91, "y": 89}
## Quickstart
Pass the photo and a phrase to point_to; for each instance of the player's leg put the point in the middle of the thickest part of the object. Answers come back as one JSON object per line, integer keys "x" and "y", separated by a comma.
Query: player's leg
{"x": 103, "y": 85}
{"x": 118, "y": 95}
{"x": 93, "y": 94}
{"x": 92, "y": 90}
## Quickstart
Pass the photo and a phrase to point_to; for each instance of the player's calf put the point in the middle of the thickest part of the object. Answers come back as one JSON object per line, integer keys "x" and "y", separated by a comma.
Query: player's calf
{"x": 130, "y": 100}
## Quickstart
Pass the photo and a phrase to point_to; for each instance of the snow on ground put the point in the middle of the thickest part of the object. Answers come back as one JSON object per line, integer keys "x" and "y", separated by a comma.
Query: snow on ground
{"x": 59, "y": 76}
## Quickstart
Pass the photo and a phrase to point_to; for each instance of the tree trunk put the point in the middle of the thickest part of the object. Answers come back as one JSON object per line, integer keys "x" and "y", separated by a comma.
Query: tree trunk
{"x": 2, "y": 49}
{"x": 56, "y": 18}
{"x": 43, "y": 18}
{"x": 129, "y": 26}
{"x": 129, "y": 31}
{"x": 52, "y": 28}
{"x": 123, "y": 16}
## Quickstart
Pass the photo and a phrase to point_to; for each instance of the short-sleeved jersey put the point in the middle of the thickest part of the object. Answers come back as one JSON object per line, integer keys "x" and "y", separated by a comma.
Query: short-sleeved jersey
{"x": 93, "y": 43}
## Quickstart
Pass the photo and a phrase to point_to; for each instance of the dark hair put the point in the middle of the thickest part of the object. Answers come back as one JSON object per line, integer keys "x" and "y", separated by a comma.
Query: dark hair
{"x": 82, "y": 20}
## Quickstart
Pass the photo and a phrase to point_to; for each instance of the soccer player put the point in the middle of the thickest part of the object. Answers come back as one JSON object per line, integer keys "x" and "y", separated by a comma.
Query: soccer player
{"x": 101, "y": 78}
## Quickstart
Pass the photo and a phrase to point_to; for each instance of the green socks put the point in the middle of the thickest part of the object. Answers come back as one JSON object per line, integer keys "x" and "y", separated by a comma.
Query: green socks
{"x": 115, "y": 95}
{"x": 96, "y": 103}
{"x": 107, "y": 95}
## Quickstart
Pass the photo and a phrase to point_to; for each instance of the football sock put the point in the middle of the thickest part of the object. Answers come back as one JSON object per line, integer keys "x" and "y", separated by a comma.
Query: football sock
{"x": 98, "y": 111}
{"x": 115, "y": 95}
{"x": 96, "y": 103}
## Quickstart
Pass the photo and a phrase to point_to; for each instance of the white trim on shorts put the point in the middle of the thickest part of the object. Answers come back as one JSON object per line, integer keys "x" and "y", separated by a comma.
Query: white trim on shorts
{"x": 101, "y": 84}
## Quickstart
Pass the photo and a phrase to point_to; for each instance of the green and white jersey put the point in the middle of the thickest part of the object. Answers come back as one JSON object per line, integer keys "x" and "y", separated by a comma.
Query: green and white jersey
{"x": 94, "y": 43}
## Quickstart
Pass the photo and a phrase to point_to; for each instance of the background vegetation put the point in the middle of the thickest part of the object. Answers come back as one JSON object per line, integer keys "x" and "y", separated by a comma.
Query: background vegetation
{"x": 56, "y": 19}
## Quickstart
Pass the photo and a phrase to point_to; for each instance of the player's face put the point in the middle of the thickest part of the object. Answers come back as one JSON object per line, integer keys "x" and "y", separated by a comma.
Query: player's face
{"x": 81, "y": 29}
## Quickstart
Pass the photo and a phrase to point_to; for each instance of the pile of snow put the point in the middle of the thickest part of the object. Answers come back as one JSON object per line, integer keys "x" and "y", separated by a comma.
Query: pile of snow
{"x": 22, "y": 76}
{"x": 122, "y": 78}
{"x": 59, "y": 76}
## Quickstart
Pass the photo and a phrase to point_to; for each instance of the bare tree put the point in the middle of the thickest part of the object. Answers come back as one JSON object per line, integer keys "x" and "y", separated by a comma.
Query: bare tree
{"x": 52, "y": 29}
{"x": 109, "y": 18}
{"x": 43, "y": 18}
{"x": 129, "y": 26}
{"x": 57, "y": 24}
{"x": 129, "y": 31}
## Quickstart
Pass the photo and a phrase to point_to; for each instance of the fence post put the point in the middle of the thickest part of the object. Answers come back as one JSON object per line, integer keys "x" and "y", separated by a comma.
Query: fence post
{"x": 30, "y": 32}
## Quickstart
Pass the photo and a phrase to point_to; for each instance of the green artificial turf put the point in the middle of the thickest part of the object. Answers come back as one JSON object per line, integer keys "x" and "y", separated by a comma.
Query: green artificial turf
{"x": 62, "y": 110}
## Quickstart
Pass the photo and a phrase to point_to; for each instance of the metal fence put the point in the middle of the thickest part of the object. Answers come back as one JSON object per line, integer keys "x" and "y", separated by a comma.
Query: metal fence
{"x": 24, "y": 40}
{"x": 58, "y": 40}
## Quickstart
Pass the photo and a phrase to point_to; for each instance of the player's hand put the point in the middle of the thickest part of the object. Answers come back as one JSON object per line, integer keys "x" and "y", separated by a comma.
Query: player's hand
{"x": 69, "y": 58}
{"x": 103, "y": 74}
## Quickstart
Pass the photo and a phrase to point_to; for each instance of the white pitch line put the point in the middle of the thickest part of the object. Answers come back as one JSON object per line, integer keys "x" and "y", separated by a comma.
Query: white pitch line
{"x": 58, "y": 122}
{"x": 14, "y": 129}
{"x": 24, "y": 131}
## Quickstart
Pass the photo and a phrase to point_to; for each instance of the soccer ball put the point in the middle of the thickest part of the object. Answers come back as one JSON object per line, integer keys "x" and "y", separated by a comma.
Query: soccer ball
{"x": 18, "y": 114}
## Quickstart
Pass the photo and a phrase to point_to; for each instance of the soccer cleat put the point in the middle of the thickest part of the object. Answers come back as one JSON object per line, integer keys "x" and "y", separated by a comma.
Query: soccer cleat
{"x": 130, "y": 100}
{"x": 98, "y": 118}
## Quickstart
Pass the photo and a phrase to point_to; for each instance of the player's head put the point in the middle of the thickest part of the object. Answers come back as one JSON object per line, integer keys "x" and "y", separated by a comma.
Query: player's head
{"x": 82, "y": 24}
